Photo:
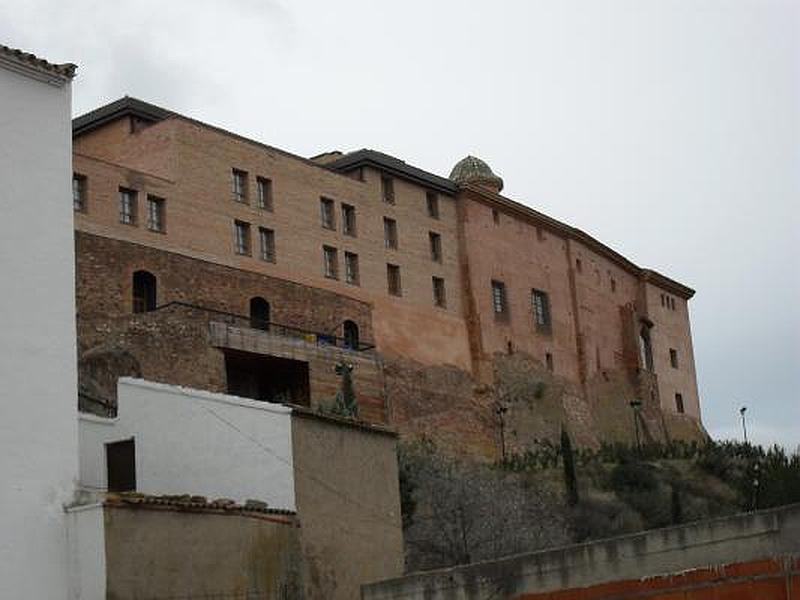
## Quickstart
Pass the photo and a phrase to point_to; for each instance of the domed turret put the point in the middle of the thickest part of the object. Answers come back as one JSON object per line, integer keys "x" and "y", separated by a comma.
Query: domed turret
{"x": 473, "y": 170}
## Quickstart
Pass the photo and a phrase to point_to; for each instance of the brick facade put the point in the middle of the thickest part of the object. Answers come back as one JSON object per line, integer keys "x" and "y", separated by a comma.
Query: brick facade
{"x": 599, "y": 302}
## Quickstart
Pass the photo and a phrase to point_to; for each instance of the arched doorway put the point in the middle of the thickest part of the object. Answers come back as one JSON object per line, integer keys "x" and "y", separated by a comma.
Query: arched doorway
{"x": 351, "y": 335}
{"x": 259, "y": 313}
{"x": 144, "y": 291}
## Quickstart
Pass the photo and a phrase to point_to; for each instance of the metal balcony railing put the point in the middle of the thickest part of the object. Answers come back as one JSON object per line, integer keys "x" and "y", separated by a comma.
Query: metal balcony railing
{"x": 273, "y": 328}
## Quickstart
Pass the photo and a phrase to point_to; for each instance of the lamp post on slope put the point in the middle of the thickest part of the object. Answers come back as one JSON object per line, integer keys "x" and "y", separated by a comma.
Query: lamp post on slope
{"x": 744, "y": 424}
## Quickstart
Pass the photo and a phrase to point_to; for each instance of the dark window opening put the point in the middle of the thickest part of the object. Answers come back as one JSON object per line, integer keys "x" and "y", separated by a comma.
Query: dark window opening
{"x": 144, "y": 291}
{"x": 679, "y": 403}
{"x": 439, "y": 294}
{"x": 673, "y": 358}
{"x": 390, "y": 233}
{"x": 267, "y": 378}
{"x": 259, "y": 313}
{"x": 351, "y": 335}
{"x": 349, "y": 220}
{"x": 541, "y": 310}
{"x": 432, "y": 199}
{"x": 645, "y": 348}
{"x": 326, "y": 214}
{"x": 549, "y": 361}
{"x": 264, "y": 190}
{"x": 387, "y": 189}
{"x": 239, "y": 185}
{"x": 435, "y": 242}
{"x": 121, "y": 466}
{"x": 78, "y": 192}
{"x": 578, "y": 265}
{"x": 495, "y": 216}
{"x": 393, "y": 280}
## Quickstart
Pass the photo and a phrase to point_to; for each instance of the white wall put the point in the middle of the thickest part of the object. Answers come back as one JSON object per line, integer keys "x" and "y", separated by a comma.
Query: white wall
{"x": 195, "y": 442}
{"x": 38, "y": 379}
{"x": 87, "y": 552}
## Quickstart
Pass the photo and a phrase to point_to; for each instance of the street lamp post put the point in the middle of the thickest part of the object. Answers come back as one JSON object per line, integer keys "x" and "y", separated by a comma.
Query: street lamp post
{"x": 744, "y": 424}
{"x": 635, "y": 405}
{"x": 500, "y": 410}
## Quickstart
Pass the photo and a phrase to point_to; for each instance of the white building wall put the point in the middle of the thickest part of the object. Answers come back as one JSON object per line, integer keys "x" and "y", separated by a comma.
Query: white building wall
{"x": 194, "y": 442}
{"x": 38, "y": 379}
{"x": 87, "y": 552}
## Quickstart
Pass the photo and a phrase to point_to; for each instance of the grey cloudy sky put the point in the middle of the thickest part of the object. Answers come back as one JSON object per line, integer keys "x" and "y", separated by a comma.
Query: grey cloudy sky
{"x": 668, "y": 129}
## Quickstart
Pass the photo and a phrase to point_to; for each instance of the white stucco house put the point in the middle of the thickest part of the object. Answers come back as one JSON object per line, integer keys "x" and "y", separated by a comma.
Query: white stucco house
{"x": 38, "y": 400}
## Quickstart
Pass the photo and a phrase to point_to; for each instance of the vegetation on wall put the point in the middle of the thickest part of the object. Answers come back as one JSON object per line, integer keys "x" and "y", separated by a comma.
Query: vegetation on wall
{"x": 458, "y": 511}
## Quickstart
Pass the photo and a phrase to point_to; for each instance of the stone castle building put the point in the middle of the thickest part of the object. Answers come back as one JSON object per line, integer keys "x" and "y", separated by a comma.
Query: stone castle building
{"x": 214, "y": 261}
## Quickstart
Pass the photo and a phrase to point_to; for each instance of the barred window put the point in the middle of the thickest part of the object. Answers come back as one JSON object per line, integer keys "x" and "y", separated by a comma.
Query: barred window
{"x": 540, "y": 302}
{"x": 327, "y": 217}
{"x": 242, "y": 237}
{"x": 127, "y": 206}
{"x": 393, "y": 280}
{"x": 155, "y": 213}
{"x": 239, "y": 185}
{"x": 267, "y": 239}
{"x": 349, "y": 220}
{"x": 390, "y": 233}
{"x": 330, "y": 260}
{"x": 264, "y": 193}
{"x": 351, "y": 268}
{"x": 78, "y": 192}
{"x": 499, "y": 298}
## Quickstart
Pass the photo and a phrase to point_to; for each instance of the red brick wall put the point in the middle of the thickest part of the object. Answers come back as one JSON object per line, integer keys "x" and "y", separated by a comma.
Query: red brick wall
{"x": 755, "y": 580}
{"x": 105, "y": 270}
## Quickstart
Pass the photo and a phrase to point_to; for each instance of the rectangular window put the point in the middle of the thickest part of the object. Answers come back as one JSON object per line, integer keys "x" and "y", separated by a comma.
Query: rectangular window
{"x": 264, "y": 189}
{"x": 351, "y": 268}
{"x": 540, "y": 302}
{"x": 155, "y": 214}
{"x": 548, "y": 358}
{"x": 330, "y": 262}
{"x": 242, "y": 237}
{"x": 267, "y": 242}
{"x": 496, "y": 216}
{"x": 432, "y": 199}
{"x": 349, "y": 220}
{"x": 439, "y": 295}
{"x": 679, "y": 403}
{"x": 78, "y": 192}
{"x": 499, "y": 298}
{"x": 326, "y": 216}
{"x": 436, "y": 246}
{"x": 387, "y": 189}
{"x": 390, "y": 233}
{"x": 127, "y": 206}
{"x": 239, "y": 185}
{"x": 673, "y": 358}
{"x": 393, "y": 280}
{"x": 578, "y": 265}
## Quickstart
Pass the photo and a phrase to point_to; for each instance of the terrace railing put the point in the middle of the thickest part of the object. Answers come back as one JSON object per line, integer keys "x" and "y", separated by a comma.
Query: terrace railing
{"x": 272, "y": 327}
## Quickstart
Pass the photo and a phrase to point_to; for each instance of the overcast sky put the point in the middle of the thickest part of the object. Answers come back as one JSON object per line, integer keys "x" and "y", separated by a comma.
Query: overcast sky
{"x": 669, "y": 129}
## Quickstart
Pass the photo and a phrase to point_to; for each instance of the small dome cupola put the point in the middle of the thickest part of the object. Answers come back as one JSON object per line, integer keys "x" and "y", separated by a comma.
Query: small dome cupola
{"x": 473, "y": 170}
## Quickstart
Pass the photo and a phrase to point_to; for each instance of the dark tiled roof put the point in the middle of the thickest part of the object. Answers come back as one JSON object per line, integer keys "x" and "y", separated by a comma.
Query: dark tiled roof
{"x": 191, "y": 504}
{"x": 394, "y": 166}
{"x": 120, "y": 108}
{"x": 66, "y": 70}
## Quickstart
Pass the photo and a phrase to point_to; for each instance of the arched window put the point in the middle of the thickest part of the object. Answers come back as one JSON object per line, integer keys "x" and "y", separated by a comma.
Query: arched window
{"x": 351, "y": 335}
{"x": 144, "y": 291}
{"x": 259, "y": 313}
